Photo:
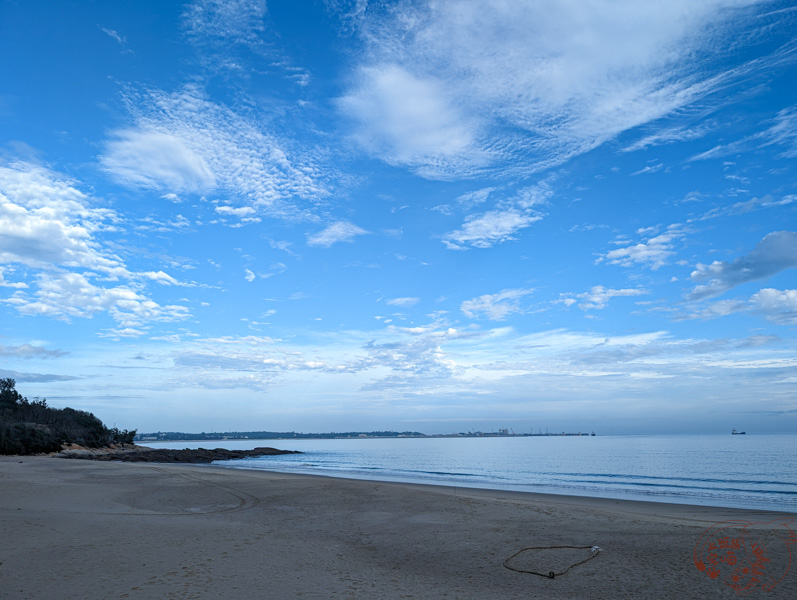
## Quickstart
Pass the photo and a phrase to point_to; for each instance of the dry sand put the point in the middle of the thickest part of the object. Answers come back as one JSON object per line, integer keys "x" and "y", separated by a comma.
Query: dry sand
{"x": 82, "y": 529}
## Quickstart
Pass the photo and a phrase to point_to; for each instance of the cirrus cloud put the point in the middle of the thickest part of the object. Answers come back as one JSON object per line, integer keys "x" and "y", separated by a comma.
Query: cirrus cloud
{"x": 183, "y": 142}
{"x": 449, "y": 89}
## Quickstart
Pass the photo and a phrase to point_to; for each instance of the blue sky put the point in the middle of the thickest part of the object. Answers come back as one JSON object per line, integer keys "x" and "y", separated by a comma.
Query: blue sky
{"x": 431, "y": 216}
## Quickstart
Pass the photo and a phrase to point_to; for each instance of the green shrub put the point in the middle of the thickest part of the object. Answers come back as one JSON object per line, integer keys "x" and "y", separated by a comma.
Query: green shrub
{"x": 31, "y": 427}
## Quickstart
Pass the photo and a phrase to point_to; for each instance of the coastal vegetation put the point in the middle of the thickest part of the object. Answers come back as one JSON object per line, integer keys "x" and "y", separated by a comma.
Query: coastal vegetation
{"x": 32, "y": 427}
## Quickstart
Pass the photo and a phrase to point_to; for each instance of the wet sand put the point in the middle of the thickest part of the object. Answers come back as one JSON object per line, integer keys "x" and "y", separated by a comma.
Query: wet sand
{"x": 83, "y": 529}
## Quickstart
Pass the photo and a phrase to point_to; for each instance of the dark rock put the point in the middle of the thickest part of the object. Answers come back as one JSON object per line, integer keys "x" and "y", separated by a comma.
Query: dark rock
{"x": 163, "y": 455}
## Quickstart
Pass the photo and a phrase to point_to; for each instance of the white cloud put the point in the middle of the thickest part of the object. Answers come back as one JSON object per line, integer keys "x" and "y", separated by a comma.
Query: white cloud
{"x": 776, "y": 252}
{"x": 527, "y": 84}
{"x": 49, "y": 225}
{"x": 341, "y": 231}
{"x": 500, "y": 225}
{"x": 159, "y": 277}
{"x": 490, "y": 228}
{"x": 63, "y": 295}
{"x": 183, "y": 142}
{"x": 653, "y": 252}
{"x": 45, "y": 220}
{"x": 408, "y": 301}
{"x": 158, "y": 161}
{"x": 10, "y": 284}
{"x": 416, "y": 359}
{"x": 391, "y": 360}
{"x": 779, "y": 306}
{"x": 241, "y": 211}
{"x": 495, "y": 307}
{"x": 248, "y": 275}
{"x": 598, "y": 297}
{"x": 411, "y": 121}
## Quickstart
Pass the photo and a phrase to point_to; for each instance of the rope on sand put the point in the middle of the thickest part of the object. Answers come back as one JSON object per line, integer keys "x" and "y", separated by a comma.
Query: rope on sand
{"x": 594, "y": 550}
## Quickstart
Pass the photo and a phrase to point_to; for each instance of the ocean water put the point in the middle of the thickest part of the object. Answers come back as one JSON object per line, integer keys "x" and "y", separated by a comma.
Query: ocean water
{"x": 749, "y": 471}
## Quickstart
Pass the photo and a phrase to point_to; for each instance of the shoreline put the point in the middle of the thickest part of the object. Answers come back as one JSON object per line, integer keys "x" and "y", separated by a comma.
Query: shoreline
{"x": 79, "y": 529}
{"x": 498, "y": 490}
{"x": 685, "y": 475}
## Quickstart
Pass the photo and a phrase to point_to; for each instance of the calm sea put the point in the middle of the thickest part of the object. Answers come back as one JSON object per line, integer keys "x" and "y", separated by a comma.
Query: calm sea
{"x": 739, "y": 471}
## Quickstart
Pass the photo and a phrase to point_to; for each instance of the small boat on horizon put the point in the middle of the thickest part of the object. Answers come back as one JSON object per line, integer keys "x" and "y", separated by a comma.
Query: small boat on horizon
{"x": 734, "y": 432}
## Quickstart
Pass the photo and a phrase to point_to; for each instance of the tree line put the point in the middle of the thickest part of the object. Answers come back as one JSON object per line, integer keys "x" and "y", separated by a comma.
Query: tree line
{"x": 32, "y": 427}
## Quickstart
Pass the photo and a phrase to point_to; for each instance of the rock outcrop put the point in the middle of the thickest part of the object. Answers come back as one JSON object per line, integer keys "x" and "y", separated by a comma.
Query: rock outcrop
{"x": 163, "y": 455}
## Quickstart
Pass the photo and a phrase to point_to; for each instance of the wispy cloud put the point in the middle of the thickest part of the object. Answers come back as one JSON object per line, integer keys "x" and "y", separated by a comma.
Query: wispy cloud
{"x": 779, "y": 131}
{"x": 747, "y": 206}
{"x": 783, "y": 132}
{"x": 776, "y": 252}
{"x": 29, "y": 351}
{"x": 342, "y": 231}
{"x": 229, "y": 33}
{"x": 119, "y": 38}
{"x": 471, "y": 199}
{"x": 406, "y": 301}
{"x": 670, "y": 136}
{"x": 654, "y": 168}
{"x": 184, "y": 143}
{"x": 22, "y": 377}
{"x": 237, "y": 21}
{"x": 495, "y": 307}
{"x": 507, "y": 86}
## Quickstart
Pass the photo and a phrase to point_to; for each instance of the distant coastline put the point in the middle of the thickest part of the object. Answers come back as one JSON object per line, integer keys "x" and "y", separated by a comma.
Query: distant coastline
{"x": 176, "y": 436}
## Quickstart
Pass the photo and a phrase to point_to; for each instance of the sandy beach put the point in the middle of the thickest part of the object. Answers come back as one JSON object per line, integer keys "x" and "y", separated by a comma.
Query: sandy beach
{"x": 83, "y": 529}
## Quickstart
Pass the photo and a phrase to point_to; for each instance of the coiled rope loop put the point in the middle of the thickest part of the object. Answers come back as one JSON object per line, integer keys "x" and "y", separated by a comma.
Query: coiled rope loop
{"x": 594, "y": 550}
